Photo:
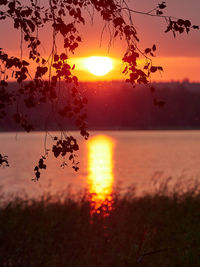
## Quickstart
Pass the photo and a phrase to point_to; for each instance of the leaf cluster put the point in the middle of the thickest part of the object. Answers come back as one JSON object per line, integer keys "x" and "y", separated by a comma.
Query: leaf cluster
{"x": 180, "y": 26}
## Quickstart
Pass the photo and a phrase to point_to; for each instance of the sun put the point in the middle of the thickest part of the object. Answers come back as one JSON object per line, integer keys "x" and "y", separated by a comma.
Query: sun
{"x": 99, "y": 66}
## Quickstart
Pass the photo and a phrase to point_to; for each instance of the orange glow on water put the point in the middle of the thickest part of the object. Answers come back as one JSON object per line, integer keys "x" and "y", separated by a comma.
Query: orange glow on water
{"x": 100, "y": 170}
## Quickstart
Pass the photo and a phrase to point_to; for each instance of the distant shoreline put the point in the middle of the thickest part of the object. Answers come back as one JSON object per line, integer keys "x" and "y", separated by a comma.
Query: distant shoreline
{"x": 115, "y": 106}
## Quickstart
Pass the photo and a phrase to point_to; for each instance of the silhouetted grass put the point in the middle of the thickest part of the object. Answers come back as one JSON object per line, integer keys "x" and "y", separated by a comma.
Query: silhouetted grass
{"x": 162, "y": 229}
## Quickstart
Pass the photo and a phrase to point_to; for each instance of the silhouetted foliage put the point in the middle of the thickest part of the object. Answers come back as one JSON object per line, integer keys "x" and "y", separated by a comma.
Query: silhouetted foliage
{"x": 4, "y": 161}
{"x": 64, "y": 17}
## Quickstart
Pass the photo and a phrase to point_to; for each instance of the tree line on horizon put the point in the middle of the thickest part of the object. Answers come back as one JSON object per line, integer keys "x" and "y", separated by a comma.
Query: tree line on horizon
{"x": 117, "y": 106}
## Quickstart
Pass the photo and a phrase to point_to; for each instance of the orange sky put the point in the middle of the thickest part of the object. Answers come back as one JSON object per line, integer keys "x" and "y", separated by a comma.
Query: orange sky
{"x": 179, "y": 57}
{"x": 175, "y": 68}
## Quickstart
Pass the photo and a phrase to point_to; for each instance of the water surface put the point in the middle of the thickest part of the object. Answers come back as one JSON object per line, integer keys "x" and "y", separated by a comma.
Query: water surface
{"x": 108, "y": 159}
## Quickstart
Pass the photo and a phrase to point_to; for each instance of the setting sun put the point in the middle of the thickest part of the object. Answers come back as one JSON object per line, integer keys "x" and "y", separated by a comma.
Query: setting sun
{"x": 99, "y": 66}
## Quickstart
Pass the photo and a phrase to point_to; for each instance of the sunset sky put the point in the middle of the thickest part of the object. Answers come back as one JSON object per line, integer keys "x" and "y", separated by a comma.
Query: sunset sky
{"x": 179, "y": 57}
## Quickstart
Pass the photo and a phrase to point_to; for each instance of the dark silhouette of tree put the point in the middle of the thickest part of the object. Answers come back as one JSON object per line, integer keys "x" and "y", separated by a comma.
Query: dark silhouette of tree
{"x": 64, "y": 16}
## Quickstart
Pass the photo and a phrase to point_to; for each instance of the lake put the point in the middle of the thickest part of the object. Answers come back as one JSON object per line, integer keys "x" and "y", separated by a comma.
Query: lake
{"x": 110, "y": 159}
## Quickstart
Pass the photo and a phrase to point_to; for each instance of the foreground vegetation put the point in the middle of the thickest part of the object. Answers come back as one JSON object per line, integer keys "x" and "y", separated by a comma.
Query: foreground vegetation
{"x": 154, "y": 230}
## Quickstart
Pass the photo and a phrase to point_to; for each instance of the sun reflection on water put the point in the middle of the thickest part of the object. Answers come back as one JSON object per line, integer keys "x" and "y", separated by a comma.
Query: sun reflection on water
{"x": 100, "y": 171}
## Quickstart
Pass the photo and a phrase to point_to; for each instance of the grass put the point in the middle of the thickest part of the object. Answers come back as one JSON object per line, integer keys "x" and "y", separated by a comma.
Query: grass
{"x": 162, "y": 229}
